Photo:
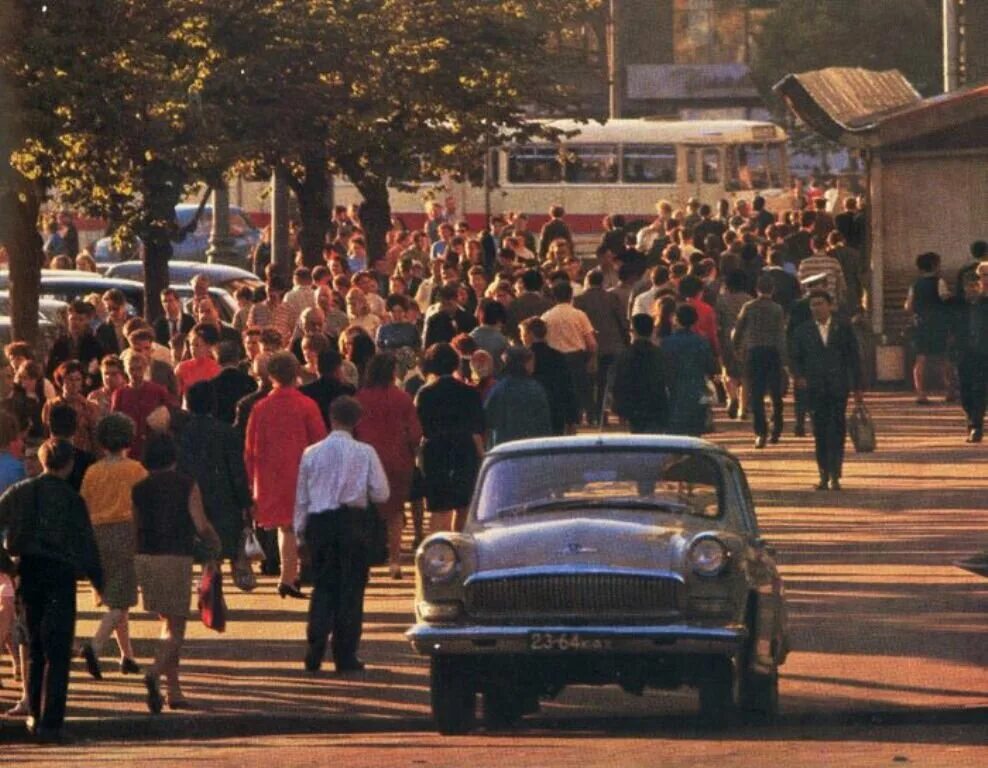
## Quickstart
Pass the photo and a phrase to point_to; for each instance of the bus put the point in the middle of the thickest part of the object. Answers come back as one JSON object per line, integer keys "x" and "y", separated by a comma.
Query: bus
{"x": 618, "y": 167}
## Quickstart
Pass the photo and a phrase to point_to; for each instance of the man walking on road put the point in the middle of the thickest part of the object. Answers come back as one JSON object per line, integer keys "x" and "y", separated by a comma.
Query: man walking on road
{"x": 825, "y": 360}
{"x": 337, "y": 481}
{"x": 759, "y": 337}
{"x": 49, "y": 528}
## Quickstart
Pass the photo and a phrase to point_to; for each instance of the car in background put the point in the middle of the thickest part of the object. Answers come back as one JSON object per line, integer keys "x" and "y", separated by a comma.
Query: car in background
{"x": 224, "y": 276}
{"x": 52, "y": 310}
{"x": 68, "y": 285}
{"x": 47, "y": 333}
{"x": 193, "y": 246}
{"x": 592, "y": 560}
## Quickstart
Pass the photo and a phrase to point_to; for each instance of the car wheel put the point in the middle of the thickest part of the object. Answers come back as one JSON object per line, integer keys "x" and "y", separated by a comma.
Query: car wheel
{"x": 504, "y": 705}
{"x": 719, "y": 692}
{"x": 452, "y": 695}
{"x": 760, "y": 695}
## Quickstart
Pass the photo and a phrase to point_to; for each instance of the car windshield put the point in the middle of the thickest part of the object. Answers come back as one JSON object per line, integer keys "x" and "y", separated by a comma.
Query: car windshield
{"x": 676, "y": 482}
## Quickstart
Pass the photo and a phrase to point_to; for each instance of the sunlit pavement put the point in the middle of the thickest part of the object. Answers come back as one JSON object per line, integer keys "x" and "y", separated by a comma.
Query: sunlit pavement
{"x": 890, "y": 642}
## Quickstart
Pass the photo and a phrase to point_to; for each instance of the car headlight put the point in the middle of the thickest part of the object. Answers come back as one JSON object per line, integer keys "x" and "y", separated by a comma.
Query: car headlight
{"x": 438, "y": 560}
{"x": 708, "y": 556}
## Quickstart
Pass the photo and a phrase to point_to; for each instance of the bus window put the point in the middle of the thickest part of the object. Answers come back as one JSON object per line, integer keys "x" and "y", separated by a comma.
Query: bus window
{"x": 777, "y": 166}
{"x": 691, "y": 166}
{"x": 534, "y": 165}
{"x": 711, "y": 166}
{"x": 649, "y": 164}
{"x": 733, "y": 181}
{"x": 591, "y": 164}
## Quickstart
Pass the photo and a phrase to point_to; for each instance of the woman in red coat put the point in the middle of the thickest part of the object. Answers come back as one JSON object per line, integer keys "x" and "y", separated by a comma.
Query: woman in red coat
{"x": 391, "y": 425}
{"x": 281, "y": 426}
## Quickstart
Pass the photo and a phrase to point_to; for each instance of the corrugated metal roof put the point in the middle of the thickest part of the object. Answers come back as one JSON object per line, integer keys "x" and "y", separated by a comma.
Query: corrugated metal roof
{"x": 856, "y": 97}
{"x": 860, "y": 108}
{"x": 689, "y": 82}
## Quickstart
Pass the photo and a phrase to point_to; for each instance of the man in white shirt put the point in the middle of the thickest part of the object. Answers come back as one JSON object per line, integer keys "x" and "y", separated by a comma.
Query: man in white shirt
{"x": 571, "y": 332}
{"x": 338, "y": 479}
{"x": 301, "y": 296}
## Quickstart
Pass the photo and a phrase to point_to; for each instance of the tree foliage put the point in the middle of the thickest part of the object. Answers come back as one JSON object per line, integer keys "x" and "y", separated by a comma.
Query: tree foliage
{"x": 803, "y": 35}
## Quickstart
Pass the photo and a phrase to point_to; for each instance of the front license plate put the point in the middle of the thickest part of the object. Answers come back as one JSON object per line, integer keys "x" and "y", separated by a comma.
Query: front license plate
{"x": 566, "y": 642}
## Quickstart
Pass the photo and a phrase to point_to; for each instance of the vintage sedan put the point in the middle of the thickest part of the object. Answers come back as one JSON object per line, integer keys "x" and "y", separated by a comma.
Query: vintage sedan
{"x": 602, "y": 559}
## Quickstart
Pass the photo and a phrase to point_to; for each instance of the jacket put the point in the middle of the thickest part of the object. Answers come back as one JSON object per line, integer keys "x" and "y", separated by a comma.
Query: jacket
{"x": 831, "y": 370}
{"x": 607, "y": 318}
{"x": 639, "y": 389}
{"x": 45, "y": 518}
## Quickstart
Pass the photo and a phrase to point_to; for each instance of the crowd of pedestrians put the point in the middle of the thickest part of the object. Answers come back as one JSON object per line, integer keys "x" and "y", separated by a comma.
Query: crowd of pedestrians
{"x": 370, "y": 389}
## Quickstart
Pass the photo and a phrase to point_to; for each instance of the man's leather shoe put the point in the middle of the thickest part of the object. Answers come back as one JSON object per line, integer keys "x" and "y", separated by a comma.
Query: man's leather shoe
{"x": 835, "y": 484}
{"x": 350, "y": 665}
{"x": 799, "y": 431}
{"x": 821, "y": 486}
{"x": 976, "y": 436}
{"x": 129, "y": 667}
{"x": 773, "y": 439}
{"x": 760, "y": 441}
{"x": 313, "y": 658}
{"x": 291, "y": 590}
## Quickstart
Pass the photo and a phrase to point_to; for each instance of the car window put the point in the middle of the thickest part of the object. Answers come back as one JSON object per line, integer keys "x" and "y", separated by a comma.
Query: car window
{"x": 679, "y": 482}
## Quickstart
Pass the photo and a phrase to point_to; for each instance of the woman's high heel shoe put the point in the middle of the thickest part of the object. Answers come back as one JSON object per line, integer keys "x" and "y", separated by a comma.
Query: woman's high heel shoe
{"x": 290, "y": 590}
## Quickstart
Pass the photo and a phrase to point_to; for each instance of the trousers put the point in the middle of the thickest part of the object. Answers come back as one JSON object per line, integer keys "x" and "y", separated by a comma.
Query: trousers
{"x": 764, "y": 374}
{"x": 972, "y": 371}
{"x": 829, "y": 414}
{"x": 47, "y": 591}
{"x": 338, "y": 548}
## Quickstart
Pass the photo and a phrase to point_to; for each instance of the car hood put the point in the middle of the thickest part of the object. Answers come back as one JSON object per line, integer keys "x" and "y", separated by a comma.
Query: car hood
{"x": 618, "y": 543}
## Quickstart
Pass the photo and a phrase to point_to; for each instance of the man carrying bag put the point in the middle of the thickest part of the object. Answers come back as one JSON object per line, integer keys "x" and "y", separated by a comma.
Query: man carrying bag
{"x": 338, "y": 480}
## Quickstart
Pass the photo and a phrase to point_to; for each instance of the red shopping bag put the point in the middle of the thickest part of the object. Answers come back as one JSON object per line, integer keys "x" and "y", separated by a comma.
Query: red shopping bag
{"x": 212, "y": 606}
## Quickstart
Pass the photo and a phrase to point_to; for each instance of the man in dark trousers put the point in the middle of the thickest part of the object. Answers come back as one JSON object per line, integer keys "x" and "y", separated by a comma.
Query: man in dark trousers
{"x": 971, "y": 348}
{"x": 759, "y": 337}
{"x": 639, "y": 390}
{"x": 338, "y": 479}
{"x": 48, "y": 528}
{"x": 552, "y": 372}
{"x": 825, "y": 359}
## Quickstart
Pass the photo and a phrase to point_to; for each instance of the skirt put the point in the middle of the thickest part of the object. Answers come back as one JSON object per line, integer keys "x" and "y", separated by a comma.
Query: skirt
{"x": 116, "y": 543}
{"x": 449, "y": 466}
{"x": 166, "y": 583}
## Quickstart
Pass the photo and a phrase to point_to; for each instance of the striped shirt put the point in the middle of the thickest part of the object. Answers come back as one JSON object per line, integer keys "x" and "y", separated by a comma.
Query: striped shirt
{"x": 825, "y": 264}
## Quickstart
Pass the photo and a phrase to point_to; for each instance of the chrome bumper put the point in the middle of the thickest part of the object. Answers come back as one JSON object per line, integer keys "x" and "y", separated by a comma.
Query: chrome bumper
{"x": 665, "y": 639}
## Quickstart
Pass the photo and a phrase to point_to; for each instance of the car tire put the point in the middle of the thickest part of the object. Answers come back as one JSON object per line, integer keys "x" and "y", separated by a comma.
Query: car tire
{"x": 452, "y": 695}
{"x": 719, "y": 692}
{"x": 504, "y": 705}
{"x": 760, "y": 696}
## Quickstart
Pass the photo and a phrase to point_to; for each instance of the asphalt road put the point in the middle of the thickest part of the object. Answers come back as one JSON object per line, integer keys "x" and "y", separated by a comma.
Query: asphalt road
{"x": 889, "y": 661}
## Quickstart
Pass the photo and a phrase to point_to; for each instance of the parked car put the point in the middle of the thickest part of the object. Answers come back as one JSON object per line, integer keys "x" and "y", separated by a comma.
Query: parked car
{"x": 223, "y": 276}
{"x": 602, "y": 559}
{"x": 52, "y": 310}
{"x": 68, "y": 285}
{"x": 193, "y": 246}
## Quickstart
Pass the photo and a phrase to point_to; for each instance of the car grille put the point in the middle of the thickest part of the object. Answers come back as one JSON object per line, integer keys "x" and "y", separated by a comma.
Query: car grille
{"x": 588, "y": 598}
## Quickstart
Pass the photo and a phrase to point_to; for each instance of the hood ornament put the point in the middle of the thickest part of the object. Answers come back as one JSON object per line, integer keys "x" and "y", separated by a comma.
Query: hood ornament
{"x": 577, "y": 549}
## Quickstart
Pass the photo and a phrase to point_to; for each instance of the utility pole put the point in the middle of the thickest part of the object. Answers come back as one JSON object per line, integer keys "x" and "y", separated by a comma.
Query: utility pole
{"x": 951, "y": 46}
{"x": 281, "y": 252}
{"x": 615, "y": 61}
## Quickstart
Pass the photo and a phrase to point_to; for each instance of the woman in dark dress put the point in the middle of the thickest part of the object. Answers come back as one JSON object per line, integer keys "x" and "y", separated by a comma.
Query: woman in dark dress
{"x": 168, "y": 514}
{"x": 926, "y": 300}
{"x": 452, "y": 417}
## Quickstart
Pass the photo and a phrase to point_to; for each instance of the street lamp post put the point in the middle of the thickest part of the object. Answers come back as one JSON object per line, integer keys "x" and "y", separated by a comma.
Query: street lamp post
{"x": 220, "y": 249}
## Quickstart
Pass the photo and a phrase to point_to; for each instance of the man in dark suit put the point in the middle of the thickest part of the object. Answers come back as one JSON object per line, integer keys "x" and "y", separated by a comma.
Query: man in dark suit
{"x": 110, "y": 333}
{"x": 799, "y": 245}
{"x": 552, "y": 372}
{"x": 639, "y": 381}
{"x": 825, "y": 359}
{"x": 78, "y": 344}
{"x": 970, "y": 331}
{"x": 530, "y": 302}
{"x": 231, "y": 385}
{"x": 849, "y": 224}
{"x": 329, "y": 385}
{"x": 448, "y": 320}
{"x": 554, "y": 229}
{"x": 174, "y": 320}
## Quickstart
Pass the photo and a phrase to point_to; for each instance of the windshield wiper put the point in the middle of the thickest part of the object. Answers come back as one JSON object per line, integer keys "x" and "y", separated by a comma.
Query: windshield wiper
{"x": 517, "y": 510}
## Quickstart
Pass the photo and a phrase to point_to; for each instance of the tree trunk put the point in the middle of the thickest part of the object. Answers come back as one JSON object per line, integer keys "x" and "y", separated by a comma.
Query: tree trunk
{"x": 20, "y": 204}
{"x": 162, "y": 192}
{"x": 313, "y": 204}
{"x": 375, "y": 217}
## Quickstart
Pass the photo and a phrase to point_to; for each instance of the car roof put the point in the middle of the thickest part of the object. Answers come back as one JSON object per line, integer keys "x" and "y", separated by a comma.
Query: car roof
{"x": 186, "y": 270}
{"x": 605, "y": 441}
{"x": 92, "y": 280}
